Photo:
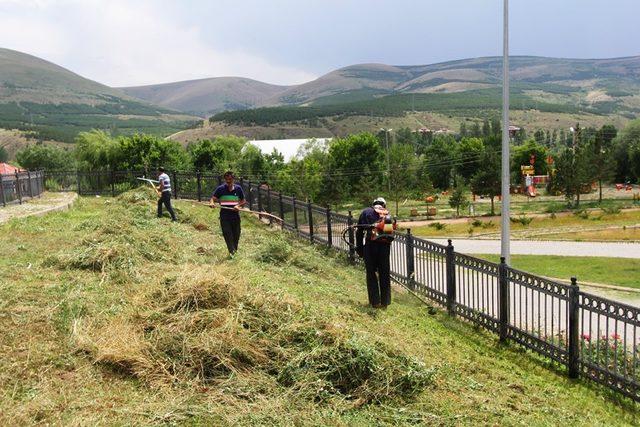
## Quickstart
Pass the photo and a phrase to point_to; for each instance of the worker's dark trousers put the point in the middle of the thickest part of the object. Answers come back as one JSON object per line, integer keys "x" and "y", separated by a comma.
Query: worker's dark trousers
{"x": 376, "y": 261}
{"x": 166, "y": 199}
{"x": 231, "y": 232}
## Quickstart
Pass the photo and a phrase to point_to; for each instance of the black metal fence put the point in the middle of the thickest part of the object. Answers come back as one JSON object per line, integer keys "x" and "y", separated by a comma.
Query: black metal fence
{"x": 20, "y": 186}
{"x": 592, "y": 336}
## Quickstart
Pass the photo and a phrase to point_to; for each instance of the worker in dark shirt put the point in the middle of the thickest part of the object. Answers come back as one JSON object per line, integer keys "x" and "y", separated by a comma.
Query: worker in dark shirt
{"x": 230, "y": 197}
{"x": 374, "y": 246}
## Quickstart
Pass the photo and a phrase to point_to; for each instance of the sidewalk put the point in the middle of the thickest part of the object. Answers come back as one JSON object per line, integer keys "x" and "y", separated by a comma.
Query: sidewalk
{"x": 48, "y": 202}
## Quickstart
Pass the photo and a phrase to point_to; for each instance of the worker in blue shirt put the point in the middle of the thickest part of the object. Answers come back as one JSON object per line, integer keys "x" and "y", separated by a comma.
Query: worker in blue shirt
{"x": 373, "y": 243}
{"x": 230, "y": 197}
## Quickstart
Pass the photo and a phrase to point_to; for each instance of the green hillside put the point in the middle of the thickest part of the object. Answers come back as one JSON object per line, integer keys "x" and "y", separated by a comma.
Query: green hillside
{"x": 54, "y": 103}
{"x": 110, "y": 316}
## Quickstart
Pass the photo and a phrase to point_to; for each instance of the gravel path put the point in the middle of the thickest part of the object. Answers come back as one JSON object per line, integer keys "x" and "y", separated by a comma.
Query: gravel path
{"x": 48, "y": 202}
{"x": 540, "y": 247}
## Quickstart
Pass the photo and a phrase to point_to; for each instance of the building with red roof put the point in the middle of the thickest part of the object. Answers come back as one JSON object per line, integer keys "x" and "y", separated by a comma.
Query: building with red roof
{"x": 7, "y": 169}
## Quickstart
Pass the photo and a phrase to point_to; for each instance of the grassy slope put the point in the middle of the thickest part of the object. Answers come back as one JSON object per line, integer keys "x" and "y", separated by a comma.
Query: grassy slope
{"x": 43, "y": 378}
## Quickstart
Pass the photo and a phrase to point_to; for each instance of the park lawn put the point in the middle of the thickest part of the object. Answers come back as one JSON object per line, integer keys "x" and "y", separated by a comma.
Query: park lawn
{"x": 610, "y": 271}
{"x": 572, "y": 226}
{"x": 69, "y": 278}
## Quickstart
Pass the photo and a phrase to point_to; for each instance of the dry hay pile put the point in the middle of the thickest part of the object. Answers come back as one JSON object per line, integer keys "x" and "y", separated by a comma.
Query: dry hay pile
{"x": 206, "y": 327}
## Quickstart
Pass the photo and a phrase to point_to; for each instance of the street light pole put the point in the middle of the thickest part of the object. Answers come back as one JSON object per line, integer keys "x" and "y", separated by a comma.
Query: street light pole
{"x": 505, "y": 250}
{"x": 386, "y": 133}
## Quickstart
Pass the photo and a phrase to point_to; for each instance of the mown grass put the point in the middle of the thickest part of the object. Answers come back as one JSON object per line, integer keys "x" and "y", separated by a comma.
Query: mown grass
{"x": 578, "y": 226}
{"x": 166, "y": 329}
{"x": 610, "y": 271}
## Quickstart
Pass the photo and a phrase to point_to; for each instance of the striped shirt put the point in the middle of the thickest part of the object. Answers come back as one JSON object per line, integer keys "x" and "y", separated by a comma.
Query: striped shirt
{"x": 228, "y": 199}
{"x": 165, "y": 181}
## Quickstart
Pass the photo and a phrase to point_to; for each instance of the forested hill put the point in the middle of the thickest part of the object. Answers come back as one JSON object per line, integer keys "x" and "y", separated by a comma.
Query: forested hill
{"x": 592, "y": 82}
{"x": 52, "y": 102}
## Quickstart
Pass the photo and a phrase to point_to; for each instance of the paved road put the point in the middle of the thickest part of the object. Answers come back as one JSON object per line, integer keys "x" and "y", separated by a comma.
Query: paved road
{"x": 539, "y": 247}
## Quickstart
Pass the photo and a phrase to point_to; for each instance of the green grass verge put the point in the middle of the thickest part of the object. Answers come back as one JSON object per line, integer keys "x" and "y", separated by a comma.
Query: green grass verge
{"x": 609, "y": 271}
{"x": 105, "y": 265}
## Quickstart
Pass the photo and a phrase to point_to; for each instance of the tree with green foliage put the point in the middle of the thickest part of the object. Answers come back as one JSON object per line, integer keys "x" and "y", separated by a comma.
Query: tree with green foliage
{"x": 96, "y": 150}
{"x": 469, "y": 151}
{"x": 602, "y": 152}
{"x": 463, "y": 130}
{"x": 627, "y": 152}
{"x": 147, "y": 153}
{"x": 487, "y": 179}
{"x": 458, "y": 198}
{"x": 4, "y": 155}
{"x": 521, "y": 156}
{"x": 441, "y": 159}
{"x": 404, "y": 168}
{"x": 346, "y": 159}
{"x": 574, "y": 172}
{"x": 48, "y": 157}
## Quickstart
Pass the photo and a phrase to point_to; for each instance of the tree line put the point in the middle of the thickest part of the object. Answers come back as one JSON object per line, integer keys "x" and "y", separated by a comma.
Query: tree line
{"x": 399, "y": 165}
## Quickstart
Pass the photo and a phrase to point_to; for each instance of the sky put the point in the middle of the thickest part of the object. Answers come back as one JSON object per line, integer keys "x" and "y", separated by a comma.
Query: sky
{"x": 138, "y": 42}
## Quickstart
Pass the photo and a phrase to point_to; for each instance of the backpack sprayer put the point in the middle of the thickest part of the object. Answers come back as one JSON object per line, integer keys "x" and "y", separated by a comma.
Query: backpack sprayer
{"x": 380, "y": 231}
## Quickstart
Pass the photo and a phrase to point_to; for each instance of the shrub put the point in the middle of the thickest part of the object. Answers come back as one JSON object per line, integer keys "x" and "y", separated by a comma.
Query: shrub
{"x": 438, "y": 226}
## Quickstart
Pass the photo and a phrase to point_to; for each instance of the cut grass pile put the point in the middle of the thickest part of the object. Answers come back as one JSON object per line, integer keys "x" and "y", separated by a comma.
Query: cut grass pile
{"x": 169, "y": 330}
{"x": 208, "y": 328}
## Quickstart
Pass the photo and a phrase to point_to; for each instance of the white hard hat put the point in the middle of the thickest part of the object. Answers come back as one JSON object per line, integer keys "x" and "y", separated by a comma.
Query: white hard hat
{"x": 380, "y": 201}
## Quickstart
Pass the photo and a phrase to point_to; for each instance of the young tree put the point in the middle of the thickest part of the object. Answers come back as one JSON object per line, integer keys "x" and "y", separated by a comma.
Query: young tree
{"x": 603, "y": 160}
{"x": 487, "y": 180}
{"x": 458, "y": 199}
{"x": 463, "y": 130}
{"x": 4, "y": 156}
{"x": 574, "y": 171}
{"x": 628, "y": 152}
{"x": 404, "y": 168}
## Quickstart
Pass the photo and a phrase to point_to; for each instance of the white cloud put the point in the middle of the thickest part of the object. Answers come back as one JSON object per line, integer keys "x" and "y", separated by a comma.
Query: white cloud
{"x": 125, "y": 43}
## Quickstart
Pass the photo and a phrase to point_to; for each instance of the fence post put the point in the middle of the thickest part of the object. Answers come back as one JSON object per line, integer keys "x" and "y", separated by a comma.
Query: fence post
{"x": 4, "y": 200}
{"x": 18, "y": 188}
{"x": 199, "y": 178}
{"x": 503, "y": 302}
{"x": 249, "y": 195}
{"x": 281, "y": 208}
{"x": 309, "y": 212}
{"x": 269, "y": 207}
{"x": 78, "y": 182}
{"x": 410, "y": 260}
{"x": 451, "y": 280}
{"x": 352, "y": 240}
{"x": 112, "y": 177}
{"x": 259, "y": 199}
{"x": 295, "y": 213}
{"x": 329, "y": 233}
{"x": 29, "y": 182}
{"x": 175, "y": 185}
{"x": 574, "y": 330}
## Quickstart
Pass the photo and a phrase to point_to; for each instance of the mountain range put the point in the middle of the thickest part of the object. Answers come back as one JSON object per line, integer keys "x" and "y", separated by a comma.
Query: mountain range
{"x": 44, "y": 99}
{"x": 588, "y": 80}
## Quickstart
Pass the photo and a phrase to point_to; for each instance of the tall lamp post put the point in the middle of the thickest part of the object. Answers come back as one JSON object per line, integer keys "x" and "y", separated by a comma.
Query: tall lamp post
{"x": 386, "y": 133}
{"x": 505, "y": 250}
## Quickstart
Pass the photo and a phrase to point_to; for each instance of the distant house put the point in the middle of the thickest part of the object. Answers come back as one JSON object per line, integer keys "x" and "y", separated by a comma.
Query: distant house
{"x": 7, "y": 169}
{"x": 513, "y": 130}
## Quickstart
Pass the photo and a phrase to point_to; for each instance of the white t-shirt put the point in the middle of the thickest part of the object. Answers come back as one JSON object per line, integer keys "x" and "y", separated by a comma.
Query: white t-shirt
{"x": 165, "y": 181}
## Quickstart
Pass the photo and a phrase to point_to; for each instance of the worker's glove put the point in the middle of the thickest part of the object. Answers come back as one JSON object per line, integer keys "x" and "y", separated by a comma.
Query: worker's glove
{"x": 360, "y": 251}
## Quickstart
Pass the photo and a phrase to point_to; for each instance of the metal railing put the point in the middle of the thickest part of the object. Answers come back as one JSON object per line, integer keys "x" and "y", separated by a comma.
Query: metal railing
{"x": 593, "y": 337}
{"x": 20, "y": 186}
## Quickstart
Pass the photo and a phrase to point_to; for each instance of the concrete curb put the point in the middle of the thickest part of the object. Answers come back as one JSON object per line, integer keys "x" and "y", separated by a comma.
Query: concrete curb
{"x": 60, "y": 208}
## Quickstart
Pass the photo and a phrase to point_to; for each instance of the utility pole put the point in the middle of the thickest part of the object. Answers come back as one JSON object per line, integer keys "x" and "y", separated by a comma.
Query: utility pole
{"x": 505, "y": 250}
{"x": 386, "y": 133}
